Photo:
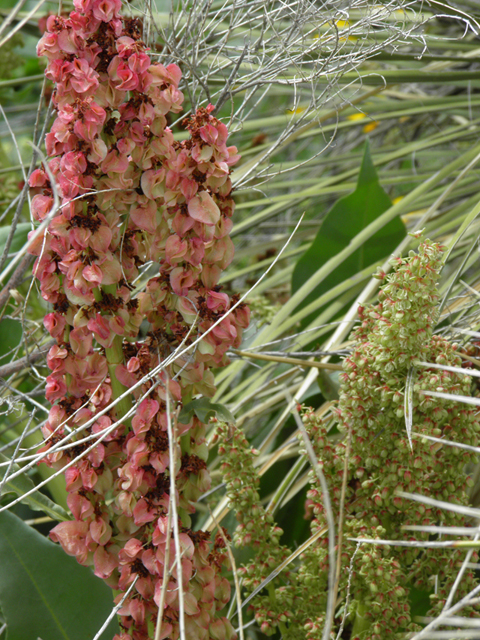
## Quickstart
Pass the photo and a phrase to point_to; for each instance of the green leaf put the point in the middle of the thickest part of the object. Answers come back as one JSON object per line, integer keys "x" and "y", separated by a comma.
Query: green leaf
{"x": 11, "y": 330}
{"x": 349, "y": 215}
{"x": 36, "y": 501}
{"x": 46, "y": 594}
{"x": 10, "y": 337}
{"x": 205, "y": 409}
{"x": 19, "y": 237}
{"x": 420, "y": 603}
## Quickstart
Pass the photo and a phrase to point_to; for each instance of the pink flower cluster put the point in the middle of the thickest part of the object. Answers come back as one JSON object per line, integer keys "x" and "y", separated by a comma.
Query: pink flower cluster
{"x": 130, "y": 196}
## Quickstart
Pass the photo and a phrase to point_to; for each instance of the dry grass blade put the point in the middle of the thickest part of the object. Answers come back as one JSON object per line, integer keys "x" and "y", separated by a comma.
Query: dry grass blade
{"x": 238, "y": 592}
{"x": 115, "y": 610}
{"x": 332, "y": 564}
{"x": 172, "y": 455}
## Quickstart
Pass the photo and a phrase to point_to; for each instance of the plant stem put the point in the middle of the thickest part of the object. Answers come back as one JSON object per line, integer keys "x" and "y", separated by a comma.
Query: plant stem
{"x": 114, "y": 356}
{"x": 360, "y": 623}
{"x": 296, "y": 361}
{"x": 281, "y": 625}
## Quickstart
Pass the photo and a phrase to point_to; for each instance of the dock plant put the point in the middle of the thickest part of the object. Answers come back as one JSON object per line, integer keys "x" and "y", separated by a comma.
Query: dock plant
{"x": 273, "y": 442}
{"x": 383, "y": 414}
{"x": 122, "y": 194}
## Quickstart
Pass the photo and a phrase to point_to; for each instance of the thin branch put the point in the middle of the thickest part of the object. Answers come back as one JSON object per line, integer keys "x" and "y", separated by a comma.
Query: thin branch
{"x": 115, "y": 610}
{"x": 15, "y": 279}
{"x": 331, "y": 596}
{"x": 295, "y": 361}
{"x": 166, "y": 574}
{"x": 238, "y": 593}
{"x": 172, "y": 444}
{"x": 13, "y": 367}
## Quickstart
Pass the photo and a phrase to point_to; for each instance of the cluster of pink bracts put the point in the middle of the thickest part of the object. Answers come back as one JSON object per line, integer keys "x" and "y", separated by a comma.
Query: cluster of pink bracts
{"x": 131, "y": 195}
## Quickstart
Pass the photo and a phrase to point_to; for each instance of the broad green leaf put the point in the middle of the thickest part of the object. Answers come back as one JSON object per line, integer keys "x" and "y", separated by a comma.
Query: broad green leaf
{"x": 11, "y": 330}
{"x": 348, "y": 217}
{"x": 329, "y": 384}
{"x": 19, "y": 238}
{"x": 46, "y": 594}
{"x": 10, "y": 337}
{"x": 36, "y": 501}
{"x": 205, "y": 409}
{"x": 420, "y": 602}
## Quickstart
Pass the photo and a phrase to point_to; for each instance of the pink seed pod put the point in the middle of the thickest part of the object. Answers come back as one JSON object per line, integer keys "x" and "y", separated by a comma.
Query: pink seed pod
{"x": 130, "y": 194}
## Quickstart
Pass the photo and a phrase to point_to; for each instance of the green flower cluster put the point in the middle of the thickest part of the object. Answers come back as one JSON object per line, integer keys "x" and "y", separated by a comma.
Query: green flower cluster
{"x": 262, "y": 310}
{"x": 256, "y": 527}
{"x": 394, "y": 335}
{"x": 378, "y": 584}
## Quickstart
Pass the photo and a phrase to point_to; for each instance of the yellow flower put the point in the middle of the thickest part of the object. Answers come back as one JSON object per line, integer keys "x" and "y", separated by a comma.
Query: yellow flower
{"x": 297, "y": 110}
{"x": 370, "y": 126}
{"x": 357, "y": 116}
